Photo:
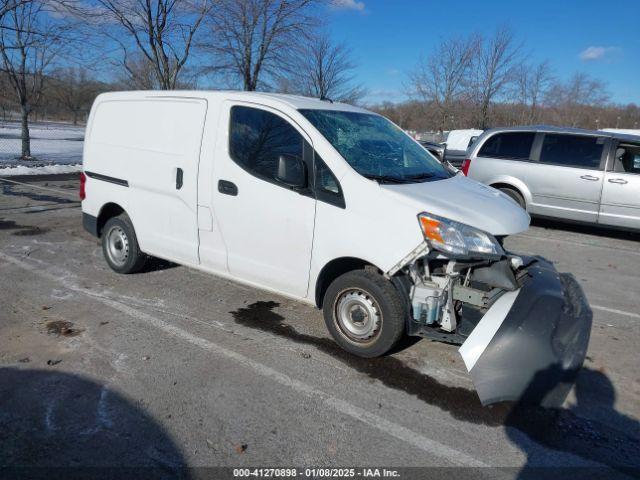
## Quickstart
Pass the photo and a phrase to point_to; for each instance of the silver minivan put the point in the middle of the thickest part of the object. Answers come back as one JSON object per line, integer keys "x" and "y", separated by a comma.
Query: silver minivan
{"x": 565, "y": 173}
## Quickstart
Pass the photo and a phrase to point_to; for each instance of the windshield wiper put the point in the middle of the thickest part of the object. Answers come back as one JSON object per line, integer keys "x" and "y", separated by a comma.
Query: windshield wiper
{"x": 384, "y": 178}
{"x": 420, "y": 176}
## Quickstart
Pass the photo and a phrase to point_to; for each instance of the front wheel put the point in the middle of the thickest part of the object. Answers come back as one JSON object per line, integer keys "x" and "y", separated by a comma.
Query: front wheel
{"x": 364, "y": 313}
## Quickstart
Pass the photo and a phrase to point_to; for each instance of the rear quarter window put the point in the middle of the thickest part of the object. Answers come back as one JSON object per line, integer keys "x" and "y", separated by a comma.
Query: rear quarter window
{"x": 572, "y": 150}
{"x": 508, "y": 145}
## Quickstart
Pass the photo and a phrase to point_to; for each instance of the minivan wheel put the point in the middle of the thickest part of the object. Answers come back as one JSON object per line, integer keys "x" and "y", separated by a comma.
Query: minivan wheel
{"x": 120, "y": 245}
{"x": 364, "y": 313}
{"x": 515, "y": 195}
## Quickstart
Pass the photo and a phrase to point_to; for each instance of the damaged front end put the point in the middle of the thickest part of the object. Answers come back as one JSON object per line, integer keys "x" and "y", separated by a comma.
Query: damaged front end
{"x": 523, "y": 327}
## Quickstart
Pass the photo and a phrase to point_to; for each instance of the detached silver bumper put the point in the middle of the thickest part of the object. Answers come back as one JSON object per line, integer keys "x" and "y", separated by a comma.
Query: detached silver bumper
{"x": 531, "y": 343}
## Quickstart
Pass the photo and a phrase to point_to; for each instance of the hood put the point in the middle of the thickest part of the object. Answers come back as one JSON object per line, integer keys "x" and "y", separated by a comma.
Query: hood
{"x": 466, "y": 201}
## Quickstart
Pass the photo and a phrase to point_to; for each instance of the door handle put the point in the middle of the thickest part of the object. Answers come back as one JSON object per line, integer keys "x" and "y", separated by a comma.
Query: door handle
{"x": 227, "y": 187}
{"x": 619, "y": 181}
{"x": 179, "y": 177}
{"x": 590, "y": 178}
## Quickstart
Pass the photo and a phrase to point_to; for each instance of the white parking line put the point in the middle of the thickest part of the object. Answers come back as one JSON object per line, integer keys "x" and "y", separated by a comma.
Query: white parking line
{"x": 411, "y": 437}
{"x": 616, "y": 311}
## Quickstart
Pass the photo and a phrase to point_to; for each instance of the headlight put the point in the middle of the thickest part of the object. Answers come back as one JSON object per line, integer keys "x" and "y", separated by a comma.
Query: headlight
{"x": 458, "y": 239}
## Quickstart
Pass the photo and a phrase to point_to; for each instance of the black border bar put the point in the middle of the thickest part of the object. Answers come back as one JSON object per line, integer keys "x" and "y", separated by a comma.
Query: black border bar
{"x": 105, "y": 178}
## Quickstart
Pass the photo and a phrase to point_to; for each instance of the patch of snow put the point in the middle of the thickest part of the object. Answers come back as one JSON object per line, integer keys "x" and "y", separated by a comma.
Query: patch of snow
{"x": 51, "y": 143}
{"x": 12, "y": 170}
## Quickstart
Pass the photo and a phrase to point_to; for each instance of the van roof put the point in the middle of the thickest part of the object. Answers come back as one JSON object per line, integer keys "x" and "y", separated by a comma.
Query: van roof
{"x": 297, "y": 102}
{"x": 568, "y": 130}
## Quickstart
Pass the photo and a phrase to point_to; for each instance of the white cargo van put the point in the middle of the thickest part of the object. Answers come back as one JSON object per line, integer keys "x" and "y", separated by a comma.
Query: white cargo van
{"x": 337, "y": 207}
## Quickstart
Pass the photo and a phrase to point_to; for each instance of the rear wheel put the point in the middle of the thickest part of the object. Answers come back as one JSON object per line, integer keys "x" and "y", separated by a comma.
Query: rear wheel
{"x": 364, "y": 313}
{"x": 515, "y": 195}
{"x": 120, "y": 245}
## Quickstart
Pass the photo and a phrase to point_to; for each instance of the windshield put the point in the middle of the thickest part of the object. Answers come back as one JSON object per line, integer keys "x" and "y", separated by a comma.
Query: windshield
{"x": 375, "y": 147}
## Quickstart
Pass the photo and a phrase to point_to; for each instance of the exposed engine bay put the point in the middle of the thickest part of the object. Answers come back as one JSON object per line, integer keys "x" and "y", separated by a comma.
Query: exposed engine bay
{"x": 448, "y": 296}
{"x": 523, "y": 327}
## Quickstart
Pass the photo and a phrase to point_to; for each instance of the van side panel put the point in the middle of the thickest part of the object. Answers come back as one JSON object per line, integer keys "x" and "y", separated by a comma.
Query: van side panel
{"x": 144, "y": 142}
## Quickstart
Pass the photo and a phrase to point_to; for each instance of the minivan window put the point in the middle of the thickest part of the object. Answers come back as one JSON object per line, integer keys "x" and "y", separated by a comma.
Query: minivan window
{"x": 375, "y": 147}
{"x": 572, "y": 150}
{"x": 257, "y": 138}
{"x": 508, "y": 145}
{"x": 627, "y": 159}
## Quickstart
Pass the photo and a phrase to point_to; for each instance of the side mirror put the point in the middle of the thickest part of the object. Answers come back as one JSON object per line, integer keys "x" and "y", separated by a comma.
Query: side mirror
{"x": 291, "y": 171}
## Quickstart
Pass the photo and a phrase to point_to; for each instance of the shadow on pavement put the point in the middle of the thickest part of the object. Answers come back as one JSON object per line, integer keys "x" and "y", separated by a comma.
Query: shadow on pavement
{"x": 154, "y": 264}
{"x": 59, "y": 425}
{"x": 614, "y": 444}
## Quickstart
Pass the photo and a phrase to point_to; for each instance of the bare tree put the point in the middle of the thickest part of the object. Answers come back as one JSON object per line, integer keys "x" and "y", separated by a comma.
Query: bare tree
{"x": 440, "y": 79}
{"x": 326, "y": 71}
{"x": 532, "y": 83}
{"x": 582, "y": 101}
{"x": 7, "y": 96}
{"x": 29, "y": 42}
{"x": 411, "y": 115}
{"x": 581, "y": 89}
{"x": 162, "y": 31}
{"x": 256, "y": 39}
{"x": 493, "y": 70}
{"x": 572, "y": 101}
{"x": 73, "y": 89}
{"x": 8, "y": 5}
{"x": 138, "y": 73}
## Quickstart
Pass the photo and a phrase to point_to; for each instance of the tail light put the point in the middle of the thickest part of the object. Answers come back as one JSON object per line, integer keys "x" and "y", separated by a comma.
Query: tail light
{"x": 83, "y": 183}
{"x": 465, "y": 166}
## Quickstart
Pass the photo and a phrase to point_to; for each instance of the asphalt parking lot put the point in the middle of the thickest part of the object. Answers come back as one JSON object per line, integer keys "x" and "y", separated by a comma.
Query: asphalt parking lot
{"x": 173, "y": 367}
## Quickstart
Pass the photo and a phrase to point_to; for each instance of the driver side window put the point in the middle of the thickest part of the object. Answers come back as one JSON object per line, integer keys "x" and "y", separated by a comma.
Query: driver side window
{"x": 257, "y": 139}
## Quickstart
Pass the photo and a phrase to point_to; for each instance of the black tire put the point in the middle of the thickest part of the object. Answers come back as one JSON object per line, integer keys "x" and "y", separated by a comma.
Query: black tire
{"x": 132, "y": 259}
{"x": 379, "y": 292}
{"x": 515, "y": 195}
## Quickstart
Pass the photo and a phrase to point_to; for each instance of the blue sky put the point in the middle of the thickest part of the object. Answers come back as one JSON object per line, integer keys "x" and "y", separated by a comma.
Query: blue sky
{"x": 387, "y": 37}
